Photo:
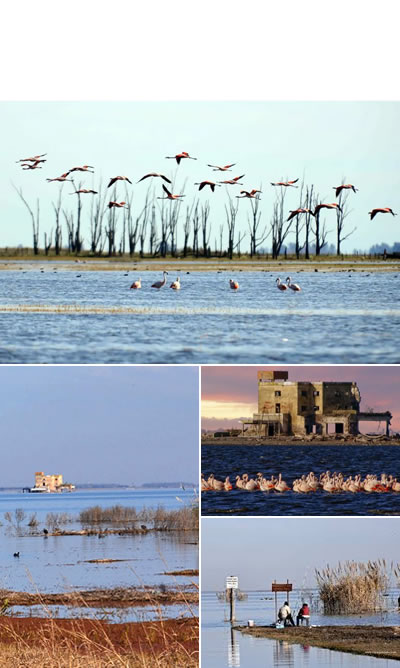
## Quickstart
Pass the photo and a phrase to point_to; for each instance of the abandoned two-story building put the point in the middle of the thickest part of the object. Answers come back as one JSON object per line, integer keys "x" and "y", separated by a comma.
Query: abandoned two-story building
{"x": 299, "y": 408}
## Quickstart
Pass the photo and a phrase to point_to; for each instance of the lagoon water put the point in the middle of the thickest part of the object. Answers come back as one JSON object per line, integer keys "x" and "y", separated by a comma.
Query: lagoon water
{"x": 293, "y": 461}
{"x": 338, "y": 317}
{"x": 223, "y": 647}
{"x": 58, "y": 563}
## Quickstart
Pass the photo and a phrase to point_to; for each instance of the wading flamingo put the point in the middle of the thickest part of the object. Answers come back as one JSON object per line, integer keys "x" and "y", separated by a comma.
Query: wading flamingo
{"x": 227, "y": 484}
{"x": 136, "y": 285}
{"x": 279, "y": 285}
{"x": 233, "y": 284}
{"x": 169, "y": 195}
{"x": 292, "y": 286}
{"x": 385, "y": 210}
{"x": 281, "y": 485}
{"x": 160, "y": 284}
{"x": 155, "y": 174}
{"x": 180, "y": 156}
{"x": 176, "y": 285}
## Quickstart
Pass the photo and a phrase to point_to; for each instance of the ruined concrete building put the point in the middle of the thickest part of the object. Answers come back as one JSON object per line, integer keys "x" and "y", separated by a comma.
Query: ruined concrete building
{"x": 300, "y": 408}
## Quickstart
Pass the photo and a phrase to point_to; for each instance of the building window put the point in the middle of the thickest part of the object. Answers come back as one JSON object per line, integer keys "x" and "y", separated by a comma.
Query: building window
{"x": 316, "y": 393}
{"x": 277, "y": 408}
{"x": 304, "y": 393}
{"x": 277, "y": 393}
{"x": 303, "y": 409}
{"x": 316, "y": 408}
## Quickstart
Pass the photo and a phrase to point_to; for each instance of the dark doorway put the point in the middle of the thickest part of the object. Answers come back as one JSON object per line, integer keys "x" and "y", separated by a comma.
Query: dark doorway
{"x": 339, "y": 428}
{"x": 271, "y": 430}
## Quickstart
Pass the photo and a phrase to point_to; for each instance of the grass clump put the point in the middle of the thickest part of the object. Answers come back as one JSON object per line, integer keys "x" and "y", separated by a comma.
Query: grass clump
{"x": 353, "y": 587}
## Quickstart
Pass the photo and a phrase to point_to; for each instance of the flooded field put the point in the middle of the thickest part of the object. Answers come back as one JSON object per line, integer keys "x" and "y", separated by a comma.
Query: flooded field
{"x": 58, "y": 316}
{"x": 223, "y": 646}
{"x": 63, "y": 563}
{"x": 293, "y": 461}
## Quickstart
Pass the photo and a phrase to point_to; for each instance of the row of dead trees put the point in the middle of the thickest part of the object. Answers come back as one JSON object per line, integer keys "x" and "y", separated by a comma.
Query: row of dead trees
{"x": 156, "y": 225}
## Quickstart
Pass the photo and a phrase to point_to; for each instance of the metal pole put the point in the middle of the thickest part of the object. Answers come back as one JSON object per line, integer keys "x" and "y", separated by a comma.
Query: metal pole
{"x": 232, "y": 605}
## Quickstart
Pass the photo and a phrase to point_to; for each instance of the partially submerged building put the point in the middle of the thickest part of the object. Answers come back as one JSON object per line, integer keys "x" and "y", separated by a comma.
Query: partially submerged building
{"x": 50, "y": 483}
{"x": 300, "y": 408}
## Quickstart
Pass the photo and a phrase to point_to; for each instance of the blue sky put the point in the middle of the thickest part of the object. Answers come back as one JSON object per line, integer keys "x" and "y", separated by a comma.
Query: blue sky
{"x": 130, "y": 424}
{"x": 261, "y": 550}
{"x": 324, "y": 141}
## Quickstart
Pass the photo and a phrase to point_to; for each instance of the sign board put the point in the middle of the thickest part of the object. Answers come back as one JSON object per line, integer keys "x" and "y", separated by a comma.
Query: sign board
{"x": 281, "y": 587}
{"x": 232, "y": 582}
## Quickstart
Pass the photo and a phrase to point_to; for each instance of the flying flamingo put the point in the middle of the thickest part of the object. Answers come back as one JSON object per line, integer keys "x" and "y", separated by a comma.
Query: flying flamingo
{"x": 61, "y": 178}
{"x": 234, "y": 181}
{"x": 155, "y": 174}
{"x": 347, "y": 186}
{"x": 252, "y": 194}
{"x": 318, "y": 208}
{"x": 85, "y": 168}
{"x": 84, "y": 190}
{"x": 169, "y": 195}
{"x": 117, "y": 205}
{"x": 180, "y": 156}
{"x": 292, "y": 286}
{"x": 280, "y": 286}
{"x": 225, "y": 168}
{"x": 233, "y": 284}
{"x": 297, "y": 212}
{"x": 136, "y": 285}
{"x": 385, "y": 210}
{"x": 160, "y": 284}
{"x": 286, "y": 183}
{"x": 176, "y": 285}
{"x": 34, "y": 165}
{"x": 118, "y": 178}
{"x": 35, "y": 158}
{"x": 203, "y": 184}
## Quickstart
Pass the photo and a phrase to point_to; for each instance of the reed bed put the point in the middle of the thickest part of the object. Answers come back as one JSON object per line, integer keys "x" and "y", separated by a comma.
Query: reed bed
{"x": 353, "y": 587}
{"x": 158, "y": 519}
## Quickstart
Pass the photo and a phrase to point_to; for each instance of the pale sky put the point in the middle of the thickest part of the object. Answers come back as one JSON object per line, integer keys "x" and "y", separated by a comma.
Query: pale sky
{"x": 269, "y": 141}
{"x": 120, "y": 424}
{"x": 261, "y": 550}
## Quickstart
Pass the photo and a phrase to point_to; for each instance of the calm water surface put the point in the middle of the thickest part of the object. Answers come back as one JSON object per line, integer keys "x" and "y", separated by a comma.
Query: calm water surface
{"x": 339, "y": 317}
{"x": 223, "y": 647}
{"x": 57, "y": 563}
{"x": 293, "y": 461}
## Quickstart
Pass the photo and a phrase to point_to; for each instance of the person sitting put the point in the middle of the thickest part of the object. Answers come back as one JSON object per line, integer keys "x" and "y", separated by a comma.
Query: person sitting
{"x": 285, "y": 615}
{"x": 303, "y": 615}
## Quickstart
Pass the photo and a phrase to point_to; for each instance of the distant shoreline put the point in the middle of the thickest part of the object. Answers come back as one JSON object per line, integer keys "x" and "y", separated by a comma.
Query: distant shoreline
{"x": 88, "y": 486}
{"x": 290, "y": 440}
{"x": 196, "y": 265}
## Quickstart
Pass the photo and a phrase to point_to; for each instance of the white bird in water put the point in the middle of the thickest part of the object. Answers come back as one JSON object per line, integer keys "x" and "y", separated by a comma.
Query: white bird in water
{"x": 233, "y": 284}
{"x": 136, "y": 285}
{"x": 160, "y": 284}
{"x": 176, "y": 285}
{"x": 280, "y": 286}
{"x": 292, "y": 286}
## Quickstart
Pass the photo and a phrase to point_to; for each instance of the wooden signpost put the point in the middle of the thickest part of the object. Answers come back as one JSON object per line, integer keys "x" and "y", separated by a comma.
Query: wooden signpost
{"x": 232, "y": 583}
{"x": 285, "y": 586}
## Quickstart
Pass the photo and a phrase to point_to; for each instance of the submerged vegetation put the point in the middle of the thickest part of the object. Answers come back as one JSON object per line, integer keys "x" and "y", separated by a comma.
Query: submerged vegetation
{"x": 159, "y": 519}
{"x": 353, "y": 587}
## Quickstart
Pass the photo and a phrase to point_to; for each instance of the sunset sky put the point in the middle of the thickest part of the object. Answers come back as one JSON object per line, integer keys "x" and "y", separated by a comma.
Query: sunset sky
{"x": 230, "y": 392}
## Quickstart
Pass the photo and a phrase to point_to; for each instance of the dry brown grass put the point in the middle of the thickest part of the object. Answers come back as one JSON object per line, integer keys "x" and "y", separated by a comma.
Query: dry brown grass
{"x": 353, "y": 587}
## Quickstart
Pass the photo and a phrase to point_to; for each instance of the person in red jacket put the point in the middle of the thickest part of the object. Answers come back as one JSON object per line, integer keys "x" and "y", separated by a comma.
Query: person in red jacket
{"x": 303, "y": 615}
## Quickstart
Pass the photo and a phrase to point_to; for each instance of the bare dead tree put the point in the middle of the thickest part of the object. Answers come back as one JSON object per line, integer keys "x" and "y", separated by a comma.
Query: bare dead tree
{"x": 34, "y": 216}
{"x": 231, "y": 213}
{"x": 253, "y": 223}
{"x": 299, "y": 223}
{"x": 187, "y": 227}
{"x": 69, "y": 219}
{"x": 340, "y": 219}
{"x": 58, "y": 230}
{"x": 173, "y": 217}
{"x": 47, "y": 242}
{"x": 97, "y": 211}
{"x": 196, "y": 228}
{"x": 205, "y": 214}
{"x": 142, "y": 222}
{"x": 111, "y": 226}
{"x": 280, "y": 227}
{"x": 308, "y": 204}
{"x": 78, "y": 240}
{"x": 221, "y": 236}
{"x": 153, "y": 230}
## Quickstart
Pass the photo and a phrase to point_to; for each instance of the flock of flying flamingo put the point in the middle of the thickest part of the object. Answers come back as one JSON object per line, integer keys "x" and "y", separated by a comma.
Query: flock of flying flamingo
{"x": 36, "y": 162}
{"x": 327, "y": 482}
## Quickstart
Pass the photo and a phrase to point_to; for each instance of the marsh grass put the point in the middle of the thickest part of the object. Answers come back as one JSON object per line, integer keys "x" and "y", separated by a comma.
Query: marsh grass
{"x": 158, "y": 519}
{"x": 353, "y": 587}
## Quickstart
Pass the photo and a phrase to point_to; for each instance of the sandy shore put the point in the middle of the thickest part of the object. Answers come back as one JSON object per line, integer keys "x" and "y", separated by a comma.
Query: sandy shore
{"x": 379, "y": 641}
{"x": 192, "y": 265}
